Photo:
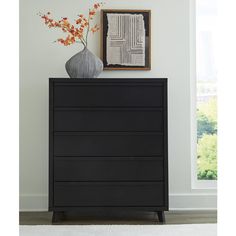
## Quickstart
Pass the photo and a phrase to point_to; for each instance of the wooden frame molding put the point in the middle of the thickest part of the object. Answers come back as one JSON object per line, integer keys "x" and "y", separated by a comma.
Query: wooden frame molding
{"x": 147, "y": 18}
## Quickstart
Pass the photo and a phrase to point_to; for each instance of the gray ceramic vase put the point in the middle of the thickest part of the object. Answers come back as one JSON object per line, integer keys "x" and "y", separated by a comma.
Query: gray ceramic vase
{"x": 84, "y": 65}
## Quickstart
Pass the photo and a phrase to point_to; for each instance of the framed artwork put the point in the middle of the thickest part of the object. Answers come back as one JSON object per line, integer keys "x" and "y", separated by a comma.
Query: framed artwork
{"x": 126, "y": 39}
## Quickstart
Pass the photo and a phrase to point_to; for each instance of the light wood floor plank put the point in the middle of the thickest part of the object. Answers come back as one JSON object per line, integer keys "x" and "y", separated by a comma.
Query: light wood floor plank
{"x": 172, "y": 217}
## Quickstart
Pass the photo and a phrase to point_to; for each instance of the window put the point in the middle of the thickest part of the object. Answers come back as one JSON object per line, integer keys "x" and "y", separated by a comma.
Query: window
{"x": 206, "y": 78}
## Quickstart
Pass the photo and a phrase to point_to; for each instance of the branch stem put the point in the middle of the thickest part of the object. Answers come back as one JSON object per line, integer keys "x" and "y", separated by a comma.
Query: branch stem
{"x": 88, "y": 29}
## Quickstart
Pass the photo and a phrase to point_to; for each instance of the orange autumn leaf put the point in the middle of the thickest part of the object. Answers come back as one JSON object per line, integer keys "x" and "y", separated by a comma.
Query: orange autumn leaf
{"x": 96, "y": 6}
{"x": 78, "y": 21}
{"x": 92, "y": 13}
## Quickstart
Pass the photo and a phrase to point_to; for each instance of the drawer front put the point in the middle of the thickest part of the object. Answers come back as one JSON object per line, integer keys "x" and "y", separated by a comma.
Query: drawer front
{"x": 108, "y": 120}
{"x": 108, "y": 96}
{"x": 108, "y": 144}
{"x": 107, "y": 169}
{"x": 108, "y": 194}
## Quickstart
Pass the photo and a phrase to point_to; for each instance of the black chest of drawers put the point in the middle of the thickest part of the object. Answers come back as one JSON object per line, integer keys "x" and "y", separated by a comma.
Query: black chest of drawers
{"x": 108, "y": 145}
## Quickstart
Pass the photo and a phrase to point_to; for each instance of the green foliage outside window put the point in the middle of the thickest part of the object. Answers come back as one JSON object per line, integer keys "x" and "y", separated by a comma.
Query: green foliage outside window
{"x": 205, "y": 126}
{"x": 207, "y": 140}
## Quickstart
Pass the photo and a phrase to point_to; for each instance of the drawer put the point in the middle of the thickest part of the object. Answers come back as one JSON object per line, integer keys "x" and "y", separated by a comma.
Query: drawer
{"x": 108, "y": 144}
{"x": 107, "y": 169}
{"x": 108, "y": 120}
{"x": 108, "y": 194}
{"x": 108, "y": 95}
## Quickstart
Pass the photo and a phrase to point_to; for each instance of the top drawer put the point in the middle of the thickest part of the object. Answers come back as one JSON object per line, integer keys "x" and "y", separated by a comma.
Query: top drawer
{"x": 108, "y": 95}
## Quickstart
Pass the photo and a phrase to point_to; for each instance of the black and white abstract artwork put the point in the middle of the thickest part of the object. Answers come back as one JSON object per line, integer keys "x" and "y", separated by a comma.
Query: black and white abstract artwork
{"x": 126, "y": 39}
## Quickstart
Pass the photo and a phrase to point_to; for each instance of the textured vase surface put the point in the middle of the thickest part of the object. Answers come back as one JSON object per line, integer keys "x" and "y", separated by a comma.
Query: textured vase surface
{"x": 84, "y": 65}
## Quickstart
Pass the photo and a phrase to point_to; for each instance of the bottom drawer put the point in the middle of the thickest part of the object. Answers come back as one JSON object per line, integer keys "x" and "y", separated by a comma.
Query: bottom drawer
{"x": 108, "y": 194}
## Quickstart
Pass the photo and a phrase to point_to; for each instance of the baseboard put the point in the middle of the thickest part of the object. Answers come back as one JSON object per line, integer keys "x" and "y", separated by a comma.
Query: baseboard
{"x": 193, "y": 201}
{"x": 177, "y": 202}
{"x": 34, "y": 202}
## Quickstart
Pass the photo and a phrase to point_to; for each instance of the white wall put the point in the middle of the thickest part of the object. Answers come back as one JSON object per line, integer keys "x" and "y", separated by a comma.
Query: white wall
{"x": 41, "y": 59}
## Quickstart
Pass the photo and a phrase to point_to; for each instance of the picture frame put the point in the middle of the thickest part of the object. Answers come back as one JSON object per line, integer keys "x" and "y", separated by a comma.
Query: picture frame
{"x": 126, "y": 39}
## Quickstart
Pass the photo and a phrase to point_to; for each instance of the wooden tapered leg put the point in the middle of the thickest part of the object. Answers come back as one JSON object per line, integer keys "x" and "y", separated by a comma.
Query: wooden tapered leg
{"x": 161, "y": 216}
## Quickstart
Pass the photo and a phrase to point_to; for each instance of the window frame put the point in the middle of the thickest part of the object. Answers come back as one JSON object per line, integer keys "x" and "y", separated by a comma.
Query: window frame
{"x": 195, "y": 183}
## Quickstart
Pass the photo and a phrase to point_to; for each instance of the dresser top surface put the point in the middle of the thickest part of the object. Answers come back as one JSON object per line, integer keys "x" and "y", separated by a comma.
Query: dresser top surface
{"x": 108, "y": 80}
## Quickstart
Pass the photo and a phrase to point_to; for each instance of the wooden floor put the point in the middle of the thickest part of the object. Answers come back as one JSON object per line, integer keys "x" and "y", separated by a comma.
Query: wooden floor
{"x": 172, "y": 217}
